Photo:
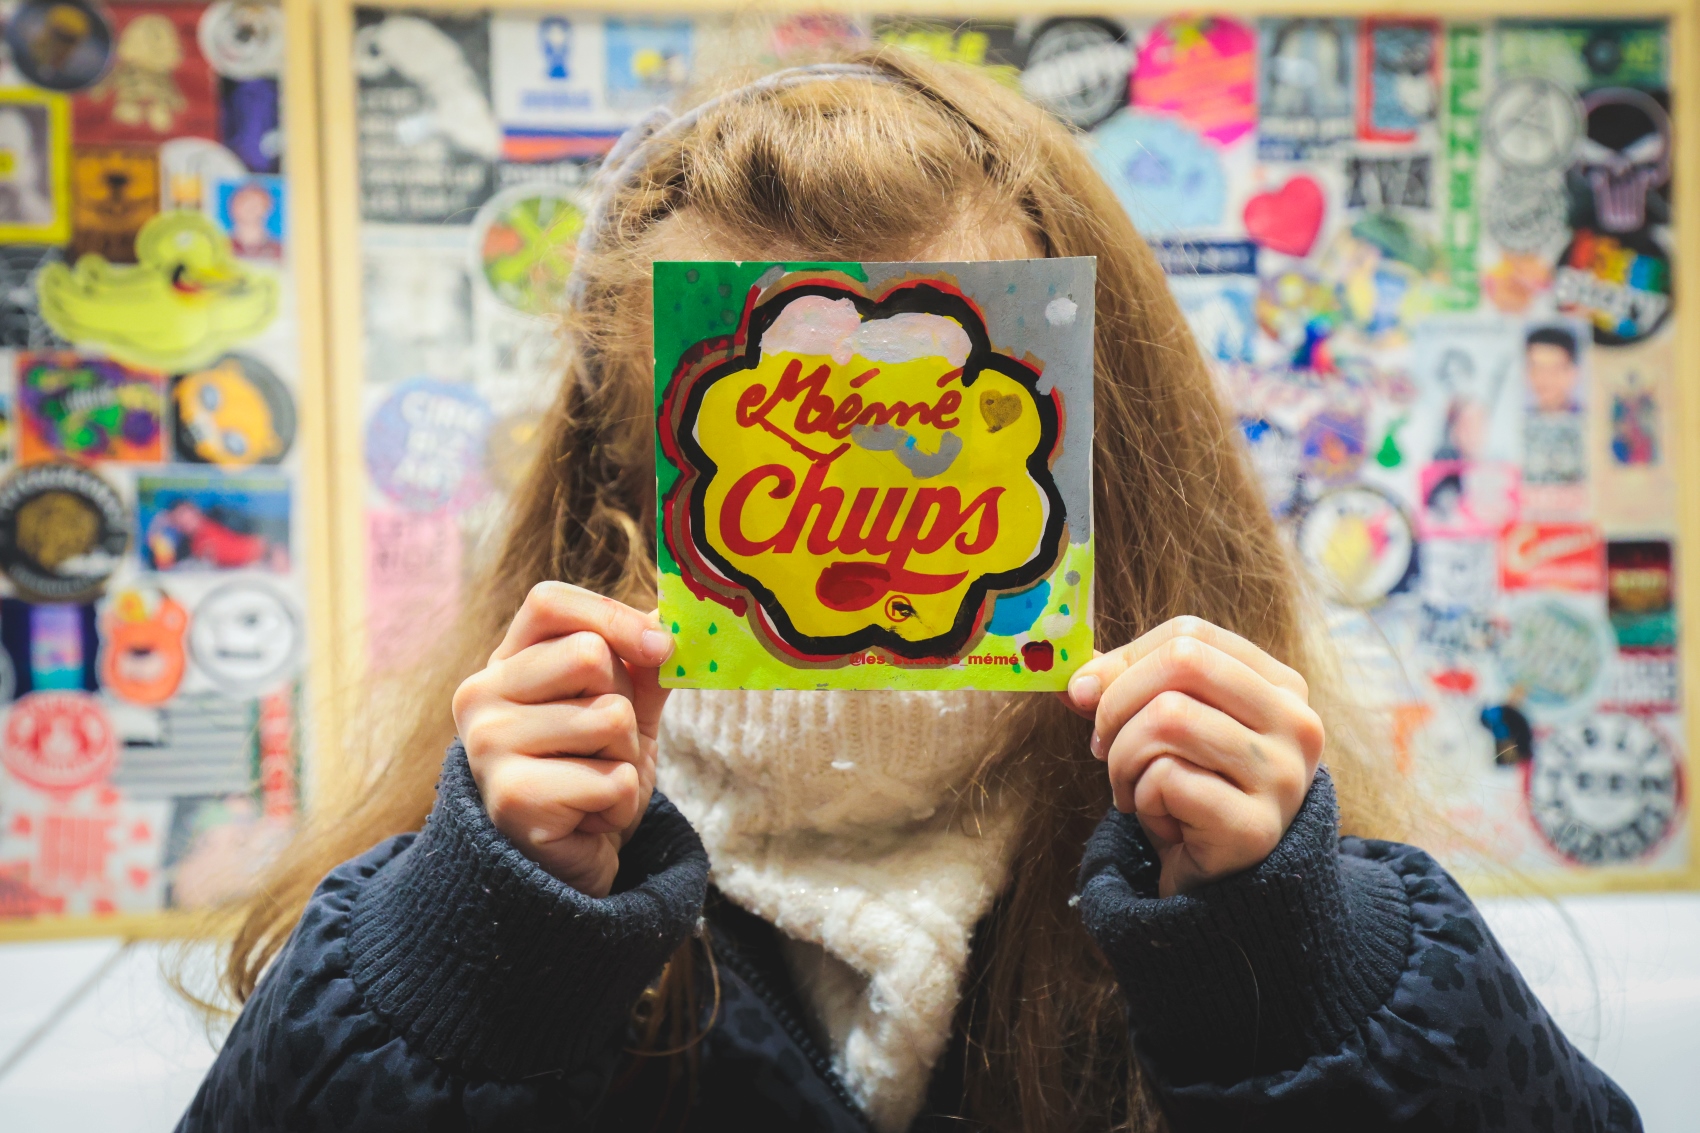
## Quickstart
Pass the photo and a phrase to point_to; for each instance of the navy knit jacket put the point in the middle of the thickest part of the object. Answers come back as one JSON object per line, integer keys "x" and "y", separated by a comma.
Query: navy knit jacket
{"x": 443, "y": 981}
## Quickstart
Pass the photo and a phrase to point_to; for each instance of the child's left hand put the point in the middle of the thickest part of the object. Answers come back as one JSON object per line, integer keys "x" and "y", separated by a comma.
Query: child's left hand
{"x": 1210, "y": 742}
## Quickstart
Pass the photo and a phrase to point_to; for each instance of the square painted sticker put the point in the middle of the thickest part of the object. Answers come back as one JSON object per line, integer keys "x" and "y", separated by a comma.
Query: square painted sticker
{"x": 875, "y": 475}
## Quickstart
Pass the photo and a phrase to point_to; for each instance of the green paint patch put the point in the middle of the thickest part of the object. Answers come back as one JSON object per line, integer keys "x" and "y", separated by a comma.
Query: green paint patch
{"x": 678, "y": 670}
{"x": 714, "y": 666}
{"x": 712, "y": 628}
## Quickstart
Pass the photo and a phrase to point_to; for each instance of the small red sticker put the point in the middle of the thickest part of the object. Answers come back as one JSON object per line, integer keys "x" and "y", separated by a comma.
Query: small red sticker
{"x": 58, "y": 741}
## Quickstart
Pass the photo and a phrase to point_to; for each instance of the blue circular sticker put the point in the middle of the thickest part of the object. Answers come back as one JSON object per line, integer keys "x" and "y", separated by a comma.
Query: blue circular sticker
{"x": 425, "y": 445}
{"x": 1167, "y": 177}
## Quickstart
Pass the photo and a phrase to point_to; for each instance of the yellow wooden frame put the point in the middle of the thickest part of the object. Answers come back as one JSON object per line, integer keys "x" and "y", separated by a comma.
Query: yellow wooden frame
{"x": 300, "y": 111}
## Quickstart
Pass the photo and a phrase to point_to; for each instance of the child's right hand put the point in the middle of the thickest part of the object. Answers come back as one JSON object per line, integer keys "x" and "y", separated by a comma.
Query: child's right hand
{"x": 560, "y": 730}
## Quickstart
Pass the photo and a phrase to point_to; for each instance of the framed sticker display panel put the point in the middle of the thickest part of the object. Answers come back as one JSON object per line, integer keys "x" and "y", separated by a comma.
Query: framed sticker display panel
{"x": 165, "y": 602}
{"x": 1430, "y": 256}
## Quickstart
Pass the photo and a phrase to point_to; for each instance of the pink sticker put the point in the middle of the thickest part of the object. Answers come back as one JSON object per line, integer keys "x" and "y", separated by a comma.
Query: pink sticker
{"x": 1468, "y": 499}
{"x": 1203, "y": 70}
{"x": 93, "y": 852}
{"x": 413, "y": 583}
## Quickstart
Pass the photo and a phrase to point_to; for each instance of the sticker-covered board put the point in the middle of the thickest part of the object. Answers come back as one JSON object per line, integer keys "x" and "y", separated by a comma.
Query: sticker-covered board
{"x": 875, "y": 475}
{"x": 153, "y": 586}
{"x": 1432, "y": 261}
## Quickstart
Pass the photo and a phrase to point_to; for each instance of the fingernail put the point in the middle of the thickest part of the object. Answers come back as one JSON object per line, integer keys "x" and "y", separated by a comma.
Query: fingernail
{"x": 1084, "y": 690}
{"x": 1097, "y": 746}
{"x": 657, "y": 644}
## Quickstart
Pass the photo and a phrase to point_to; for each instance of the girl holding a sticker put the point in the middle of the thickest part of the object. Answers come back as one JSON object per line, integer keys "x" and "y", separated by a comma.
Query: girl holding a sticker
{"x": 1127, "y": 907}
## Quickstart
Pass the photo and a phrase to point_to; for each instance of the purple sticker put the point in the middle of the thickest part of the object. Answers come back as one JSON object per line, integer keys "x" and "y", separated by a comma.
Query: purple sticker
{"x": 248, "y": 120}
{"x": 425, "y": 445}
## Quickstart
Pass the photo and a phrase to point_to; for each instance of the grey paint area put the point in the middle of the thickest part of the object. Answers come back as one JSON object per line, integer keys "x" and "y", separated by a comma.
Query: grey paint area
{"x": 1020, "y": 299}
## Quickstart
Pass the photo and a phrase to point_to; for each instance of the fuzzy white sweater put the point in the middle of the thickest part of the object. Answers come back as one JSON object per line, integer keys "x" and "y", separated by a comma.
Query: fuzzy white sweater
{"x": 832, "y": 816}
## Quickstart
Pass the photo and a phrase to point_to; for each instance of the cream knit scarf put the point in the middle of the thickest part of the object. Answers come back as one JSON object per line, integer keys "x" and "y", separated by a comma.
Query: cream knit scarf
{"x": 829, "y": 815}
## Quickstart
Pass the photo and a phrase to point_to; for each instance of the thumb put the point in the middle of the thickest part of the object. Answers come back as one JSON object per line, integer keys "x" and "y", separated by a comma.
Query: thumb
{"x": 648, "y": 699}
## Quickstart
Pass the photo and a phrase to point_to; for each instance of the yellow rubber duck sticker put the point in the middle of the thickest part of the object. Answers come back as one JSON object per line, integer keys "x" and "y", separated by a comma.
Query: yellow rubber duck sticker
{"x": 184, "y": 302}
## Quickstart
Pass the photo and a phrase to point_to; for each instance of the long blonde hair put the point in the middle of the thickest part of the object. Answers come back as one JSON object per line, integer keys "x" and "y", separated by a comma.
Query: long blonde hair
{"x": 859, "y": 171}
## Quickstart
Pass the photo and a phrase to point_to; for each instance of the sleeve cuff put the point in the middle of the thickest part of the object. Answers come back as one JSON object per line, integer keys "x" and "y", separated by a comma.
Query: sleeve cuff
{"x": 1255, "y": 973}
{"x": 481, "y": 958}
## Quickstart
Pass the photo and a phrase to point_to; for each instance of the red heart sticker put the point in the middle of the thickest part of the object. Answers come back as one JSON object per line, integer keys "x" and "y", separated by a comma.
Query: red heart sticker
{"x": 1288, "y": 219}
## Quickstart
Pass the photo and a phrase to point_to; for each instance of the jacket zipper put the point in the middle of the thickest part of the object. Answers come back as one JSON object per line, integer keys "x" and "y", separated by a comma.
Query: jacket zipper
{"x": 795, "y": 1030}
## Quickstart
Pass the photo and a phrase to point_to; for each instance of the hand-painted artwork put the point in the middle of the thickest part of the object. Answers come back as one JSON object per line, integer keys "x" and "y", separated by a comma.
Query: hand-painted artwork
{"x": 876, "y": 475}
{"x": 1431, "y": 262}
{"x": 152, "y": 588}
{"x": 251, "y": 212}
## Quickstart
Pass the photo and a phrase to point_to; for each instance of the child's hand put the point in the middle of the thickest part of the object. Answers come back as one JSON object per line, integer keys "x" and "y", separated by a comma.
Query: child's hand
{"x": 1211, "y": 742}
{"x": 560, "y": 729}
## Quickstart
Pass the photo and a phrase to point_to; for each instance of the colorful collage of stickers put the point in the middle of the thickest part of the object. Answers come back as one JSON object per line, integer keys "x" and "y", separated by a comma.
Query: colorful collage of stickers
{"x": 151, "y": 624}
{"x": 1431, "y": 262}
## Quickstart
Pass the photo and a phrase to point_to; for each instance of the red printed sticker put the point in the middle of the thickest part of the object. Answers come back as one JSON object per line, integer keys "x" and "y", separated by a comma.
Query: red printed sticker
{"x": 90, "y": 852}
{"x": 58, "y": 741}
{"x": 1552, "y": 556}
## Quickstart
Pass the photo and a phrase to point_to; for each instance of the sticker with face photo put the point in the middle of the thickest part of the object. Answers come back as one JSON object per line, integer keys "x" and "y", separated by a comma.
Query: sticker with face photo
{"x": 252, "y": 211}
{"x": 34, "y": 183}
{"x": 1554, "y": 428}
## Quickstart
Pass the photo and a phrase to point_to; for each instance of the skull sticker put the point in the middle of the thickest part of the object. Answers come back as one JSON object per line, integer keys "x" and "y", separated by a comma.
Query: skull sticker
{"x": 1624, "y": 155}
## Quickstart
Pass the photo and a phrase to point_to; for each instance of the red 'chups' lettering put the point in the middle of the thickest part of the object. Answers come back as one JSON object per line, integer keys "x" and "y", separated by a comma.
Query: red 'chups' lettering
{"x": 933, "y": 518}
{"x": 819, "y": 412}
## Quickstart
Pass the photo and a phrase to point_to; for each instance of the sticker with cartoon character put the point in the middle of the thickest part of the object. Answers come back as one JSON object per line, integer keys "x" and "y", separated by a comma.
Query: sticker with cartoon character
{"x": 143, "y": 653}
{"x": 185, "y": 301}
{"x": 159, "y": 85}
{"x": 114, "y": 191}
{"x": 234, "y": 412}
